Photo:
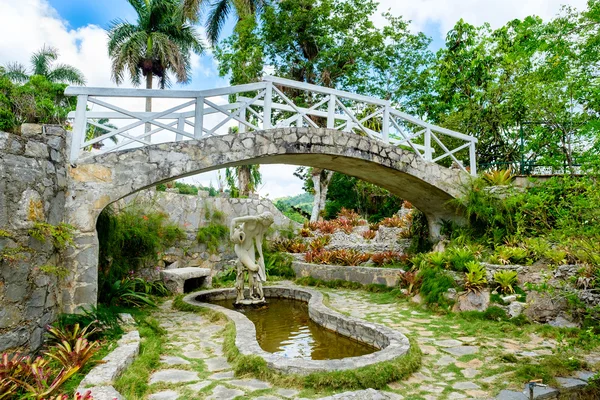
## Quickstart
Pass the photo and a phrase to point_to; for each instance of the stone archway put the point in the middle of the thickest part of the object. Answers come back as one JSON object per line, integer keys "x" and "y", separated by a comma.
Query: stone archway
{"x": 100, "y": 180}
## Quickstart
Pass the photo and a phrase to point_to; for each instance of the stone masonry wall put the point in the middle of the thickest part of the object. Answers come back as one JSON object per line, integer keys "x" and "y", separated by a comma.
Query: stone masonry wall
{"x": 192, "y": 212}
{"x": 32, "y": 188}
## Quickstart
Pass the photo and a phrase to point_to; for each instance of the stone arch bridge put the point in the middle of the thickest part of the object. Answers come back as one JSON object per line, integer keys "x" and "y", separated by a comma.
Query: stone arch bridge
{"x": 355, "y": 135}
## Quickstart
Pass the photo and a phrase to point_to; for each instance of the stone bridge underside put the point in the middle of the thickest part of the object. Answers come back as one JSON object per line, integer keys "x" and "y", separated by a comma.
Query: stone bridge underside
{"x": 98, "y": 181}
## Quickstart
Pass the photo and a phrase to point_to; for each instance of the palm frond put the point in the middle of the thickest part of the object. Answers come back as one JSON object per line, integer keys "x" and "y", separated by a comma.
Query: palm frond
{"x": 41, "y": 60}
{"x": 16, "y": 72}
{"x": 66, "y": 74}
{"x": 216, "y": 19}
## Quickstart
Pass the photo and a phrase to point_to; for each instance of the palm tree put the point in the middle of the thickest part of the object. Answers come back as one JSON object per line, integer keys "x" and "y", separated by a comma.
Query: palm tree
{"x": 41, "y": 64}
{"x": 219, "y": 11}
{"x": 160, "y": 43}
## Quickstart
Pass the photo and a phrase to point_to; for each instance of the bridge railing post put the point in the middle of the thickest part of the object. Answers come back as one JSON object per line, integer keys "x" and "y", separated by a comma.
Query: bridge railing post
{"x": 385, "y": 128}
{"x": 180, "y": 127}
{"x": 473, "y": 159}
{"x": 267, "y": 107}
{"x": 428, "y": 153}
{"x": 199, "y": 118}
{"x": 331, "y": 112}
{"x": 79, "y": 127}
{"x": 242, "y": 126}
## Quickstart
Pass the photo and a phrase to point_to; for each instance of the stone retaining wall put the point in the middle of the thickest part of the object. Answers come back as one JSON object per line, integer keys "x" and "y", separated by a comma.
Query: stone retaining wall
{"x": 191, "y": 212}
{"x": 392, "y": 344}
{"x": 33, "y": 184}
{"x": 363, "y": 275}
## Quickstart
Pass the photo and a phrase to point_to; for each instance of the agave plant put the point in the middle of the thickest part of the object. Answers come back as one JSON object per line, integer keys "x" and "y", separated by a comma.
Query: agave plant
{"x": 499, "y": 177}
{"x": 505, "y": 281}
{"x": 410, "y": 280}
{"x": 475, "y": 277}
{"x": 369, "y": 234}
{"x": 306, "y": 232}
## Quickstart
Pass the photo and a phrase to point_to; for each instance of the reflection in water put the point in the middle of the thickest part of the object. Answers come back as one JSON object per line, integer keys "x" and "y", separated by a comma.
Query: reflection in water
{"x": 284, "y": 327}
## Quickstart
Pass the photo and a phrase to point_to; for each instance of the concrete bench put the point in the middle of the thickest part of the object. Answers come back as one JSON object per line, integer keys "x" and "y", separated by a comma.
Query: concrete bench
{"x": 183, "y": 280}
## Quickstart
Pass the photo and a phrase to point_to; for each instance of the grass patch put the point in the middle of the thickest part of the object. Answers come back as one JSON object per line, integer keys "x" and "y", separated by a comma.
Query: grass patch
{"x": 133, "y": 384}
{"x": 547, "y": 368}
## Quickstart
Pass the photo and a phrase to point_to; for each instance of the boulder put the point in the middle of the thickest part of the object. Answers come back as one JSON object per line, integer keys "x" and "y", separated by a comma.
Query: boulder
{"x": 515, "y": 309}
{"x": 542, "y": 307}
{"x": 472, "y": 301}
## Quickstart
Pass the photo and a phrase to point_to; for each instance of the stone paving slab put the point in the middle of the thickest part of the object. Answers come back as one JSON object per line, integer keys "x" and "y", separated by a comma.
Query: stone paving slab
{"x": 461, "y": 350}
{"x": 196, "y": 387}
{"x": 172, "y": 360}
{"x": 250, "y": 384}
{"x": 164, "y": 395}
{"x": 103, "y": 393}
{"x": 173, "y": 376}
{"x": 217, "y": 364}
{"x": 223, "y": 393}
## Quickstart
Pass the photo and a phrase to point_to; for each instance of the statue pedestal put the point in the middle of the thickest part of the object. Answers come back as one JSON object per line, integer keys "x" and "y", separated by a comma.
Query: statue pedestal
{"x": 250, "y": 303}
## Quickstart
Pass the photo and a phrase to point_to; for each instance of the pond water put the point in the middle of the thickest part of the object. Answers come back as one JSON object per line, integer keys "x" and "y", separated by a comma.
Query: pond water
{"x": 283, "y": 327}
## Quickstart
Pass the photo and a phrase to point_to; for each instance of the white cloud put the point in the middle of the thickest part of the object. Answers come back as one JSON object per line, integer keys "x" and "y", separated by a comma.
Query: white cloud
{"x": 445, "y": 13}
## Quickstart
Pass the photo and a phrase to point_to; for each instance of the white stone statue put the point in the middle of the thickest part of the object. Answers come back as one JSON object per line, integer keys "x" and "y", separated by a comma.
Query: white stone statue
{"x": 248, "y": 233}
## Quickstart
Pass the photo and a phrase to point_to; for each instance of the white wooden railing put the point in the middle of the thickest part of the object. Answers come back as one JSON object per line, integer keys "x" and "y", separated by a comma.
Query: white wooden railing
{"x": 272, "y": 103}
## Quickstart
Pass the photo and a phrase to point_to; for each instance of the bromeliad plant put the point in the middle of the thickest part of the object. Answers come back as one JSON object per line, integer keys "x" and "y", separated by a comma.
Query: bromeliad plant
{"x": 475, "y": 277}
{"x": 499, "y": 177}
{"x": 505, "y": 281}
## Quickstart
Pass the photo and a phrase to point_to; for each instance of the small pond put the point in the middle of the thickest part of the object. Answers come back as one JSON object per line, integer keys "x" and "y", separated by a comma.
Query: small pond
{"x": 283, "y": 327}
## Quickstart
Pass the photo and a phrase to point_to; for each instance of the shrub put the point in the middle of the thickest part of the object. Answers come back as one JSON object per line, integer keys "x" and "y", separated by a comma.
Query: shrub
{"x": 369, "y": 234}
{"x": 475, "y": 277}
{"x": 129, "y": 239}
{"x": 319, "y": 243}
{"x": 134, "y": 292}
{"x": 388, "y": 257}
{"x": 459, "y": 257}
{"x": 411, "y": 281}
{"x": 278, "y": 264}
{"x": 327, "y": 227}
{"x": 435, "y": 282}
{"x": 212, "y": 235}
{"x": 505, "y": 281}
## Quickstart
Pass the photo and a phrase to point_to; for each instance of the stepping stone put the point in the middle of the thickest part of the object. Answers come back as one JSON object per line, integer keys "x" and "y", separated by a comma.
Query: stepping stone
{"x": 465, "y": 386}
{"x": 165, "y": 395}
{"x": 584, "y": 375}
{"x": 250, "y": 384}
{"x": 173, "y": 376}
{"x": 196, "y": 387}
{"x": 196, "y": 354}
{"x": 461, "y": 350}
{"x": 217, "y": 364}
{"x": 172, "y": 360}
{"x": 571, "y": 383}
{"x": 267, "y": 398}
{"x": 540, "y": 393}
{"x": 474, "y": 363}
{"x": 287, "y": 393}
{"x": 511, "y": 395}
{"x": 426, "y": 349}
{"x": 432, "y": 389}
{"x": 456, "y": 395}
{"x": 448, "y": 343}
{"x": 367, "y": 394}
{"x": 445, "y": 360}
{"x": 469, "y": 373}
{"x": 223, "y": 393}
{"x": 221, "y": 375}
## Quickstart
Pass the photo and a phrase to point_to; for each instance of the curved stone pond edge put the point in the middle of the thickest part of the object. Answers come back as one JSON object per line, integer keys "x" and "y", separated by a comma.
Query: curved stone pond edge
{"x": 392, "y": 344}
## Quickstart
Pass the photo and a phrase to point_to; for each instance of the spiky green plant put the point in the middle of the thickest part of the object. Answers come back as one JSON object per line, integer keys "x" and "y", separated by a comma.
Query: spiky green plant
{"x": 475, "y": 277}
{"x": 499, "y": 177}
{"x": 505, "y": 281}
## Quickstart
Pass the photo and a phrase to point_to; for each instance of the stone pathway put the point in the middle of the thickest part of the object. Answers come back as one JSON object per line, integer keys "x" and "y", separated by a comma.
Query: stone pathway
{"x": 459, "y": 362}
{"x": 193, "y": 366}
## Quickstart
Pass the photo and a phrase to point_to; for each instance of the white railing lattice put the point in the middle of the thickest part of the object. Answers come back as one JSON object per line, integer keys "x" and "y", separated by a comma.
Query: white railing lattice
{"x": 271, "y": 103}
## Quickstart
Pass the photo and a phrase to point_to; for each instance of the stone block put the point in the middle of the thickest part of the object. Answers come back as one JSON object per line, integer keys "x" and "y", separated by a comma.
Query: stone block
{"x": 31, "y": 130}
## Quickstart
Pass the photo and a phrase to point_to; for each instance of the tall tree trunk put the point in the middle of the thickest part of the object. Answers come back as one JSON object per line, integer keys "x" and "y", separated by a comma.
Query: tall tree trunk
{"x": 321, "y": 179}
{"x": 148, "y": 102}
{"x": 243, "y": 173}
